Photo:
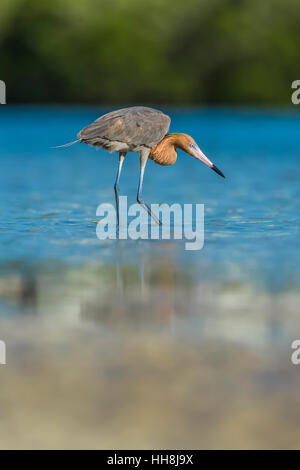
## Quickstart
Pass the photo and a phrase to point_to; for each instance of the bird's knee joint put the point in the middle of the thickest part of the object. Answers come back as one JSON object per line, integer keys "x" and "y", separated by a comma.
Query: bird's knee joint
{"x": 117, "y": 188}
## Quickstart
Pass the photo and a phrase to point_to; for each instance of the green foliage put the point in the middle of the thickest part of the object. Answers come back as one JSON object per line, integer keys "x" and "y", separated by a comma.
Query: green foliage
{"x": 150, "y": 51}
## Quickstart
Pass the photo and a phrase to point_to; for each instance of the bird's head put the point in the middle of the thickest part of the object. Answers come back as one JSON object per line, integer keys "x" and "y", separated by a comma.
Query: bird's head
{"x": 188, "y": 145}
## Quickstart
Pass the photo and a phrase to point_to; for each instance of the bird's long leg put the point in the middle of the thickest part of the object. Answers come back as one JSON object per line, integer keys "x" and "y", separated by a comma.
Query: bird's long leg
{"x": 122, "y": 155}
{"x": 143, "y": 161}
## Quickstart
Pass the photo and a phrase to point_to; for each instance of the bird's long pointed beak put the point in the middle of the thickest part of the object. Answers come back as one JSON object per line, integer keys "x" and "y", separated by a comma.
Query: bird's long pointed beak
{"x": 197, "y": 153}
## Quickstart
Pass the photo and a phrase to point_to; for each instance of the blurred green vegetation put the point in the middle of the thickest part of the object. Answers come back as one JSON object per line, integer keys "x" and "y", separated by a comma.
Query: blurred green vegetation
{"x": 150, "y": 51}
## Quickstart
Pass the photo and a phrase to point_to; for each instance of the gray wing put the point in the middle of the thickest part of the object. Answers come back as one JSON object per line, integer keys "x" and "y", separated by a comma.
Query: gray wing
{"x": 134, "y": 126}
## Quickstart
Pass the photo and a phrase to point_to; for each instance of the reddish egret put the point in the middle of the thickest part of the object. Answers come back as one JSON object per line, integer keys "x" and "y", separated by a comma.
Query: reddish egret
{"x": 142, "y": 130}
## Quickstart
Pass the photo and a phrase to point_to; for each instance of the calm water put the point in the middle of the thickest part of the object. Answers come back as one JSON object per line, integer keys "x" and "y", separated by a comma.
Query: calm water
{"x": 116, "y": 330}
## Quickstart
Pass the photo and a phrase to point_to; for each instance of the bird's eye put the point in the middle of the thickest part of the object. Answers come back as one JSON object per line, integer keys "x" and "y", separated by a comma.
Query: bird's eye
{"x": 192, "y": 145}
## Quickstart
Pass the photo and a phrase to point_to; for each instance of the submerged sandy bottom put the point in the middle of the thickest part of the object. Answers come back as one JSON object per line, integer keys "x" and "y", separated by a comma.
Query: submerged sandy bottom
{"x": 132, "y": 364}
{"x": 66, "y": 388}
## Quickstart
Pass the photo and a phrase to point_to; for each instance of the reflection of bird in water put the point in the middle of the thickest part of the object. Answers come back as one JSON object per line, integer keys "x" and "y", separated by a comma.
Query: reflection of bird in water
{"x": 142, "y": 130}
{"x": 142, "y": 296}
{"x": 21, "y": 290}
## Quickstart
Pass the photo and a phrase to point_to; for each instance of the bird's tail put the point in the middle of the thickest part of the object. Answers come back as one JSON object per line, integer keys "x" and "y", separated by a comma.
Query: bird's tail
{"x": 65, "y": 145}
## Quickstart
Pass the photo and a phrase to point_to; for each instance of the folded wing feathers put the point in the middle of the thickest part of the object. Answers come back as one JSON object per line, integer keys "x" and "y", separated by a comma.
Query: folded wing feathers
{"x": 133, "y": 126}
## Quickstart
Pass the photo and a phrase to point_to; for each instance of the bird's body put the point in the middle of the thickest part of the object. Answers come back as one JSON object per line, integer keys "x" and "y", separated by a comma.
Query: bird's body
{"x": 127, "y": 130}
{"x": 143, "y": 130}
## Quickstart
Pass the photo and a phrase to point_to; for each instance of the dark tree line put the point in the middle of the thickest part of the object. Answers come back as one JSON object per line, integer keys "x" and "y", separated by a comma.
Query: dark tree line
{"x": 150, "y": 51}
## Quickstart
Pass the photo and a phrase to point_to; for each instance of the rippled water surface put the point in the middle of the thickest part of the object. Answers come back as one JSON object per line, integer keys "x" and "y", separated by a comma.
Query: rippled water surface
{"x": 126, "y": 344}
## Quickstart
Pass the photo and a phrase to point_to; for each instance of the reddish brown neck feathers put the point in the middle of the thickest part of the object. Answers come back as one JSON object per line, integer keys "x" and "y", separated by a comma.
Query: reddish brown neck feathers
{"x": 164, "y": 152}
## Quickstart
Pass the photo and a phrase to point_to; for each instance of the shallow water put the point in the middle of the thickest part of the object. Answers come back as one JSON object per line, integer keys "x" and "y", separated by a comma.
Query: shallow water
{"x": 142, "y": 343}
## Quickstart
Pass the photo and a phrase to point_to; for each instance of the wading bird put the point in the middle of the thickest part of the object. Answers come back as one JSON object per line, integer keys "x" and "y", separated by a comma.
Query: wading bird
{"x": 143, "y": 130}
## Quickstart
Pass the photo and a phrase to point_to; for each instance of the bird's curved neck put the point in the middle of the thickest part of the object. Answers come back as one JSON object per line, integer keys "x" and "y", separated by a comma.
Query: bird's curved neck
{"x": 164, "y": 152}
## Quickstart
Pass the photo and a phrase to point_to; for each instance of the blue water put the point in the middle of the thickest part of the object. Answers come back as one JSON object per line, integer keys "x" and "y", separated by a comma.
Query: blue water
{"x": 48, "y": 197}
{"x": 100, "y": 333}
